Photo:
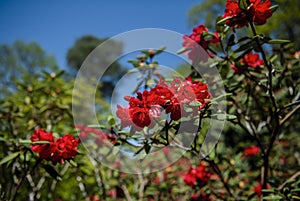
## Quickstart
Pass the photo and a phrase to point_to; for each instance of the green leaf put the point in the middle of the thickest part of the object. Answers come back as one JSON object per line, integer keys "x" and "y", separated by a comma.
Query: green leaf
{"x": 268, "y": 190}
{"x": 134, "y": 63}
{"x": 274, "y": 8}
{"x": 231, "y": 41}
{"x": 96, "y": 126}
{"x": 9, "y": 158}
{"x": 41, "y": 142}
{"x": 195, "y": 104}
{"x": 111, "y": 120}
{"x": 160, "y": 50}
{"x": 243, "y": 4}
{"x": 150, "y": 82}
{"x": 278, "y": 41}
{"x": 223, "y": 20}
{"x": 226, "y": 116}
{"x": 295, "y": 197}
{"x": 245, "y": 46}
{"x": 182, "y": 50}
{"x": 52, "y": 172}
{"x": 3, "y": 139}
{"x": 147, "y": 148}
{"x": 295, "y": 190}
{"x": 273, "y": 197}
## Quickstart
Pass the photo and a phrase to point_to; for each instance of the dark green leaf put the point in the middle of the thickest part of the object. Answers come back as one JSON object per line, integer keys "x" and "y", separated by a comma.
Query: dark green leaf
{"x": 231, "y": 40}
{"x": 245, "y": 46}
{"x": 274, "y": 8}
{"x": 9, "y": 158}
{"x": 147, "y": 148}
{"x": 52, "y": 172}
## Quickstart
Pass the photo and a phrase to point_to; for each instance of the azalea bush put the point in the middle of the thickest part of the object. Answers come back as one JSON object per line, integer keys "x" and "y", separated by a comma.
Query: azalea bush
{"x": 164, "y": 125}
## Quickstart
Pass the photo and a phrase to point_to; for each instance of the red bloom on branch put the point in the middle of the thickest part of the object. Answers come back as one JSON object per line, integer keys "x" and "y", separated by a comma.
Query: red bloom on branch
{"x": 252, "y": 60}
{"x": 67, "y": 146}
{"x": 237, "y": 17}
{"x": 202, "y": 197}
{"x": 250, "y": 151}
{"x": 257, "y": 11}
{"x": 260, "y": 11}
{"x": 123, "y": 114}
{"x": 41, "y": 135}
{"x": 58, "y": 151}
{"x": 200, "y": 38}
{"x": 249, "y": 60}
{"x": 197, "y": 176}
{"x": 169, "y": 97}
{"x": 258, "y": 188}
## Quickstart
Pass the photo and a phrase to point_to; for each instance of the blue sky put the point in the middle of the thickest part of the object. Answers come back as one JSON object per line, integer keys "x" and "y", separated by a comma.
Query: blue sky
{"x": 55, "y": 24}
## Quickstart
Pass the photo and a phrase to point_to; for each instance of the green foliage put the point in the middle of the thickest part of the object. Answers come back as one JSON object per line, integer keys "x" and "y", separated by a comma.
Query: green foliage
{"x": 81, "y": 54}
{"x": 19, "y": 61}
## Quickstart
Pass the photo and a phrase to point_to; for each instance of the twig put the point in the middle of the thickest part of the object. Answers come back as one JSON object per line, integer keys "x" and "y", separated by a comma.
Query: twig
{"x": 294, "y": 176}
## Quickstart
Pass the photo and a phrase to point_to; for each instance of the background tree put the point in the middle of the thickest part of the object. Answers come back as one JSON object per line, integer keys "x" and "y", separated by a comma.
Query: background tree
{"x": 283, "y": 24}
{"x": 81, "y": 50}
{"x": 19, "y": 62}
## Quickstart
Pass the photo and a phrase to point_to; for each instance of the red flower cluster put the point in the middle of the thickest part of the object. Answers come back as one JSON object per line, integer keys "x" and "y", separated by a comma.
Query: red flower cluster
{"x": 252, "y": 60}
{"x": 197, "y": 176}
{"x": 169, "y": 97}
{"x": 249, "y": 60}
{"x": 257, "y": 11}
{"x": 250, "y": 151}
{"x": 258, "y": 188}
{"x": 202, "y": 197}
{"x": 85, "y": 133}
{"x": 202, "y": 37}
{"x": 58, "y": 151}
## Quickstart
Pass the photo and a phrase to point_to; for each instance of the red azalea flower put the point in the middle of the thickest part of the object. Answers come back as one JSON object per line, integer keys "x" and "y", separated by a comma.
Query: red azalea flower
{"x": 238, "y": 70}
{"x": 200, "y": 36}
{"x": 252, "y": 60}
{"x": 258, "y": 188}
{"x": 41, "y": 135}
{"x": 202, "y": 197}
{"x": 197, "y": 176}
{"x": 171, "y": 97}
{"x": 102, "y": 137}
{"x": 56, "y": 151}
{"x": 200, "y": 90}
{"x": 260, "y": 11}
{"x": 86, "y": 131}
{"x": 250, "y": 151}
{"x": 68, "y": 146}
{"x": 123, "y": 114}
{"x": 237, "y": 17}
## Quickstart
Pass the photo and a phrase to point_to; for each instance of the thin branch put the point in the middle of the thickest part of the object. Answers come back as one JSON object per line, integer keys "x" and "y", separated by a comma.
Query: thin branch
{"x": 289, "y": 115}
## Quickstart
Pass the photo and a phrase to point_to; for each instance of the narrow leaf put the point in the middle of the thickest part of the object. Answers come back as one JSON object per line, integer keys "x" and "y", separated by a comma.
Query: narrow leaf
{"x": 52, "y": 172}
{"x": 9, "y": 158}
{"x": 278, "y": 41}
{"x": 273, "y": 197}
